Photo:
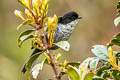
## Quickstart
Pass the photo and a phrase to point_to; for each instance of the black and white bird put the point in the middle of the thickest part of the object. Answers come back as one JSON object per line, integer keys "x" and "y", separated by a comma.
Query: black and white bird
{"x": 64, "y": 29}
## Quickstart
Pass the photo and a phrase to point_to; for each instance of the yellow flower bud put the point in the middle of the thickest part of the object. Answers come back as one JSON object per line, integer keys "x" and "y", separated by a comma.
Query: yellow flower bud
{"x": 52, "y": 23}
{"x": 27, "y": 3}
{"x": 19, "y": 14}
{"x": 47, "y": 1}
{"x": 28, "y": 14}
{"x": 36, "y": 5}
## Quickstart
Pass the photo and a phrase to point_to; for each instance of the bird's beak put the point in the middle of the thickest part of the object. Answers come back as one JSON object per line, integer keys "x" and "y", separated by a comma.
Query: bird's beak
{"x": 79, "y": 17}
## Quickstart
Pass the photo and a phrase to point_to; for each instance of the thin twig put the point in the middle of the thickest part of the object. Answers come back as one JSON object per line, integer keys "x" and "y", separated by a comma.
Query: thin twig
{"x": 53, "y": 64}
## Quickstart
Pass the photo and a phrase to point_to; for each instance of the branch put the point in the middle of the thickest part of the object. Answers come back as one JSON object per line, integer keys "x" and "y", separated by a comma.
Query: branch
{"x": 54, "y": 66}
{"x": 52, "y": 61}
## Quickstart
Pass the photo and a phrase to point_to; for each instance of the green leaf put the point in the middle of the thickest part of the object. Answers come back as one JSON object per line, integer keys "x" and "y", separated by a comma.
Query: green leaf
{"x": 116, "y": 74}
{"x": 37, "y": 68}
{"x": 84, "y": 67}
{"x": 29, "y": 21}
{"x": 31, "y": 61}
{"x": 64, "y": 45}
{"x": 89, "y": 76}
{"x": 73, "y": 73}
{"x": 97, "y": 78}
{"x": 115, "y": 40}
{"x": 94, "y": 62}
{"x": 47, "y": 57}
{"x": 101, "y": 52}
{"x": 19, "y": 14}
{"x": 24, "y": 36}
{"x": 117, "y": 21}
{"x": 74, "y": 64}
{"x": 103, "y": 71}
{"x": 118, "y": 8}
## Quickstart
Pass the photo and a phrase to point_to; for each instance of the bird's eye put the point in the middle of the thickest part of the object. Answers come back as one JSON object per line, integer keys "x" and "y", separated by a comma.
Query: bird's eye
{"x": 73, "y": 17}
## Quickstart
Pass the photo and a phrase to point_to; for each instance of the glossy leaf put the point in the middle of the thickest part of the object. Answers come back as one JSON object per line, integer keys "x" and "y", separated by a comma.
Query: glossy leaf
{"x": 116, "y": 74}
{"x": 64, "y": 45}
{"x": 24, "y": 36}
{"x": 36, "y": 69}
{"x": 89, "y": 76}
{"x": 115, "y": 40}
{"x": 94, "y": 62}
{"x": 84, "y": 67}
{"x": 74, "y": 64}
{"x": 98, "y": 78}
{"x": 29, "y": 21}
{"x": 73, "y": 73}
{"x": 100, "y": 51}
{"x": 118, "y": 8}
{"x": 117, "y": 21}
{"x": 19, "y": 14}
{"x": 31, "y": 61}
{"x": 102, "y": 68}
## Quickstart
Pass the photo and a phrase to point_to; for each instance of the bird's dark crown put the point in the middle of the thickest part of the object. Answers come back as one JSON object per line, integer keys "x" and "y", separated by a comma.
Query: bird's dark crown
{"x": 69, "y": 17}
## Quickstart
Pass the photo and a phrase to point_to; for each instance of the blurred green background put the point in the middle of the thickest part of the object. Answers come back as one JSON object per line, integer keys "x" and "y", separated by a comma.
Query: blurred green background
{"x": 96, "y": 27}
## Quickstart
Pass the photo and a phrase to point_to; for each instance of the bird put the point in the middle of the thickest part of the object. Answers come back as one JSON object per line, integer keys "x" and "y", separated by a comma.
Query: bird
{"x": 64, "y": 29}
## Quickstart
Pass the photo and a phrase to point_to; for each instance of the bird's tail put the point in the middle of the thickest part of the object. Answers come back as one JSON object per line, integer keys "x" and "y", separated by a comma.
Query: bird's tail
{"x": 24, "y": 66}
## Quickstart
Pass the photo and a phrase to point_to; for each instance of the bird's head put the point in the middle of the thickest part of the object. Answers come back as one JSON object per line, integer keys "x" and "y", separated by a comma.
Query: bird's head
{"x": 70, "y": 17}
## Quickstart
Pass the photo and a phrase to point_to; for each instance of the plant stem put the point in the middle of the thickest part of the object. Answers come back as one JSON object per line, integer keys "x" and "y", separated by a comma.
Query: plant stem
{"x": 52, "y": 61}
{"x": 53, "y": 64}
